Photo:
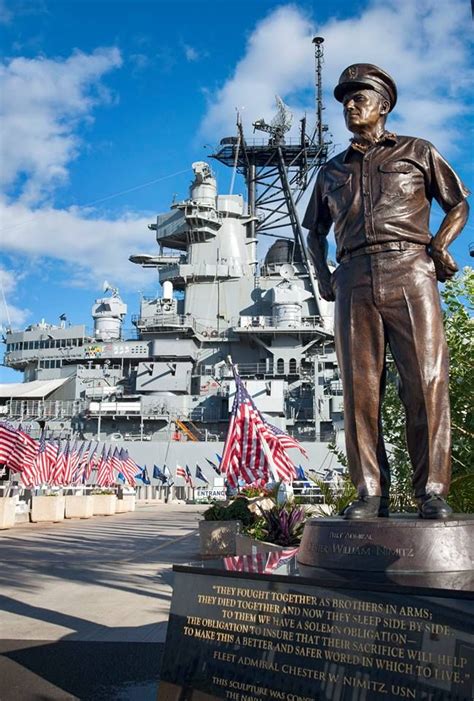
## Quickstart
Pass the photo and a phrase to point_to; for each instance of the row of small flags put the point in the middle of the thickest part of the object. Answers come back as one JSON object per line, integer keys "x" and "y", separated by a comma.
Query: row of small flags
{"x": 66, "y": 463}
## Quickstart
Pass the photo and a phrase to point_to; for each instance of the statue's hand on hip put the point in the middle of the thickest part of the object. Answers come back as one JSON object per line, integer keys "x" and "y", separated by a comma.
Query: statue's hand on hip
{"x": 325, "y": 288}
{"x": 444, "y": 263}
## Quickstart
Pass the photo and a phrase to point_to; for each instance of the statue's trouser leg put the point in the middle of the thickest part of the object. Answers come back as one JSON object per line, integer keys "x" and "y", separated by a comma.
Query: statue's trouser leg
{"x": 360, "y": 348}
{"x": 393, "y": 297}
{"x": 414, "y": 327}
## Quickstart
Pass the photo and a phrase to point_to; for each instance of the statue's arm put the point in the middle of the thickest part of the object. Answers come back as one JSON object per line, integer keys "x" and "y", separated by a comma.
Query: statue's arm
{"x": 451, "y": 226}
{"x": 318, "y": 250}
{"x": 318, "y": 220}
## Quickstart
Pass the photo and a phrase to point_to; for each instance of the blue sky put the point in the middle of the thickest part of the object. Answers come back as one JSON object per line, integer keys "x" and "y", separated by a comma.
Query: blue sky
{"x": 106, "y": 103}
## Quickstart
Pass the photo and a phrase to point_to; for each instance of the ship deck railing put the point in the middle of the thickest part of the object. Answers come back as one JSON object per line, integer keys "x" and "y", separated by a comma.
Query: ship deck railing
{"x": 34, "y": 409}
{"x": 271, "y": 323}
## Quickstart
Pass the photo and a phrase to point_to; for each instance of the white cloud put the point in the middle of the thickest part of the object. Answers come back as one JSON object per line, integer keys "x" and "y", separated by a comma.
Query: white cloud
{"x": 191, "y": 53}
{"x": 10, "y": 315}
{"x": 277, "y": 60}
{"x": 91, "y": 247}
{"x": 424, "y": 44}
{"x": 43, "y": 102}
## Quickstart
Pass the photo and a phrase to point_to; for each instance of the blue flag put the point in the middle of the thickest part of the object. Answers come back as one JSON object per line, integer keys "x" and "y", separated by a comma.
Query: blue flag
{"x": 158, "y": 474}
{"x": 200, "y": 475}
{"x": 300, "y": 475}
{"x": 214, "y": 466}
{"x": 144, "y": 476}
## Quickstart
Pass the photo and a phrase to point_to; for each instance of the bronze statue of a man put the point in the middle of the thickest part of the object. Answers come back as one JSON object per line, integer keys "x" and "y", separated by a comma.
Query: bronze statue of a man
{"x": 378, "y": 194}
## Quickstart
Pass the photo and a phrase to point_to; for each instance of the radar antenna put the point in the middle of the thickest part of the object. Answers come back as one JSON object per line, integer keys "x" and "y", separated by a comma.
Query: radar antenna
{"x": 280, "y": 124}
{"x": 107, "y": 287}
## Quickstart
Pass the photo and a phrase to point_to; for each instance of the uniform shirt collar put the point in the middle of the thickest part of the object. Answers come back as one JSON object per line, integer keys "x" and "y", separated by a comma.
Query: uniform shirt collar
{"x": 388, "y": 138}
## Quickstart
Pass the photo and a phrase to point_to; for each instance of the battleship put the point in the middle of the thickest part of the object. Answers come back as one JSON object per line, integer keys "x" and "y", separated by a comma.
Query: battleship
{"x": 164, "y": 390}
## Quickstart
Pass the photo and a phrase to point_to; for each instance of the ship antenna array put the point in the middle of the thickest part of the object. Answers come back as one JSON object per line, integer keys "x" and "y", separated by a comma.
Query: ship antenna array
{"x": 318, "y": 57}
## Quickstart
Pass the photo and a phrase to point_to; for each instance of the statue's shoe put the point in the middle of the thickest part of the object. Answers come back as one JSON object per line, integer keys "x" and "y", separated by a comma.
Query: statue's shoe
{"x": 367, "y": 507}
{"x": 433, "y": 506}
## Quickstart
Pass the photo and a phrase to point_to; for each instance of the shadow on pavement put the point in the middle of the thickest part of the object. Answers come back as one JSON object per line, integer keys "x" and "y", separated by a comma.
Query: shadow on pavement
{"x": 89, "y": 671}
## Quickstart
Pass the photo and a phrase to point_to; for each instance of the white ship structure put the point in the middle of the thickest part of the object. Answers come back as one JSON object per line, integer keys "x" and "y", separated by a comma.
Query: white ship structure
{"x": 164, "y": 391}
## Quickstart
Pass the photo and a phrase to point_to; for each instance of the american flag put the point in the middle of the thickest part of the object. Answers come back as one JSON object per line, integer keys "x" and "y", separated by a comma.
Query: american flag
{"x": 23, "y": 456}
{"x": 45, "y": 458}
{"x": 57, "y": 470}
{"x": 129, "y": 468}
{"x": 8, "y": 441}
{"x": 67, "y": 472}
{"x": 105, "y": 470}
{"x": 188, "y": 478}
{"x": 181, "y": 472}
{"x": 91, "y": 463}
{"x": 76, "y": 464}
{"x": 254, "y": 449}
{"x": 102, "y": 467}
{"x": 115, "y": 462}
{"x": 286, "y": 441}
{"x": 261, "y": 563}
{"x": 84, "y": 463}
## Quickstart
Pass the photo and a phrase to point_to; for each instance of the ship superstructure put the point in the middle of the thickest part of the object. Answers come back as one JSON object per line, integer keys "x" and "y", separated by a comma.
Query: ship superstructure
{"x": 169, "y": 383}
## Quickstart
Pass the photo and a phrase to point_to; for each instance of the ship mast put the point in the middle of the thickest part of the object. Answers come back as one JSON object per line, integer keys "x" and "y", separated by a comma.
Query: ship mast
{"x": 278, "y": 170}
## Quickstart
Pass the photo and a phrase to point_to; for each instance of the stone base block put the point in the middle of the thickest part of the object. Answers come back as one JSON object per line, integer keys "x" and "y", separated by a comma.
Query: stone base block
{"x": 126, "y": 504}
{"x": 218, "y": 538}
{"x": 47, "y": 509}
{"x": 104, "y": 504}
{"x": 7, "y": 512}
{"x": 245, "y": 545}
{"x": 79, "y": 506}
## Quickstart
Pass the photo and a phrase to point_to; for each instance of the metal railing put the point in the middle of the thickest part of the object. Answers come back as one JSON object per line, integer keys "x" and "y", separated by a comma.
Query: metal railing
{"x": 257, "y": 323}
{"x": 25, "y": 409}
{"x": 162, "y": 320}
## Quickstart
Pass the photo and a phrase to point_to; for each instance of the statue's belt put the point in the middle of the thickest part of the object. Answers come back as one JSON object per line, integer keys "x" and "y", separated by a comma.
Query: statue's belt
{"x": 381, "y": 248}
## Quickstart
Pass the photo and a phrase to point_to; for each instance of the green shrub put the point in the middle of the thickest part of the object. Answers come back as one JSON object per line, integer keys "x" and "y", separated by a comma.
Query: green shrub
{"x": 238, "y": 509}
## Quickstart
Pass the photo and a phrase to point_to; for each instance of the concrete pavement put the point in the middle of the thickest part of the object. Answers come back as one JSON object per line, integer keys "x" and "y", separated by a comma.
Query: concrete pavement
{"x": 84, "y": 604}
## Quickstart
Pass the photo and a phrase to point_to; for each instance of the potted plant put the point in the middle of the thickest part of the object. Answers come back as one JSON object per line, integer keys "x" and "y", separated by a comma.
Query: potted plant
{"x": 7, "y": 512}
{"x": 79, "y": 505}
{"x": 104, "y": 502}
{"x": 222, "y": 522}
{"x": 125, "y": 502}
{"x": 275, "y": 529}
{"x": 48, "y": 507}
{"x": 336, "y": 498}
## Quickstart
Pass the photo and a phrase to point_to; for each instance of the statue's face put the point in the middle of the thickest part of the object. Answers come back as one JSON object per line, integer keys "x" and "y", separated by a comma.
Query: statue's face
{"x": 363, "y": 109}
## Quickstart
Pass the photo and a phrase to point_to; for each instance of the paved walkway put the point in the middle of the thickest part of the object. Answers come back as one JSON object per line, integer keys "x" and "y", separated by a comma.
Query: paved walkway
{"x": 84, "y": 604}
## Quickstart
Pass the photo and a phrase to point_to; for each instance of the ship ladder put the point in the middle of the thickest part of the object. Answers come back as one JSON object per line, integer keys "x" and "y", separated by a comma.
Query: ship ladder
{"x": 182, "y": 426}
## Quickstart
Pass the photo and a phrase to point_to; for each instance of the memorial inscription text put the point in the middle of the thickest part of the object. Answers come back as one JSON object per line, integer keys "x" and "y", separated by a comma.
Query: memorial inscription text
{"x": 342, "y": 640}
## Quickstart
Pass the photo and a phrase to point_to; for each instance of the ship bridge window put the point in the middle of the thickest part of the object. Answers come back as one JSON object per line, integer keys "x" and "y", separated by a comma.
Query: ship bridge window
{"x": 280, "y": 366}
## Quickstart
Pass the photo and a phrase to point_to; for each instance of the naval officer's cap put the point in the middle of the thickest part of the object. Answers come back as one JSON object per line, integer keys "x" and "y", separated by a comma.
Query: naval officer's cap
{"x": 363, "y": 76}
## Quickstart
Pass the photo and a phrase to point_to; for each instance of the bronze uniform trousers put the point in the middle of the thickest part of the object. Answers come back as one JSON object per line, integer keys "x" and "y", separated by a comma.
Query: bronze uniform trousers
{"x": 392, "y": 298}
